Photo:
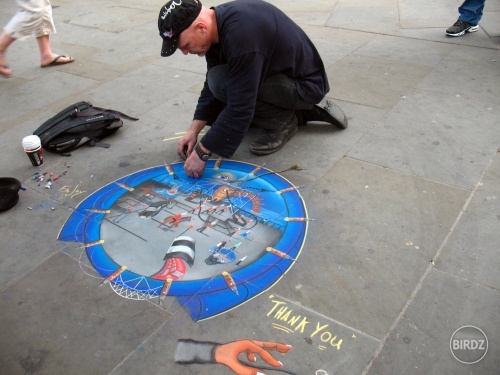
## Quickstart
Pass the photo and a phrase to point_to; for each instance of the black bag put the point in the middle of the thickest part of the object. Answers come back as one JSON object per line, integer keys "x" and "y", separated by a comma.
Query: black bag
{"x": 79, "y": 124}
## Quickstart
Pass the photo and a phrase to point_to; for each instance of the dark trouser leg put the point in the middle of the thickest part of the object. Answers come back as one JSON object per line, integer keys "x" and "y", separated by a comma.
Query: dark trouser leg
{"x": 275, "y": 109}
{"x": 277, "y": 102}
{"x": 277, "y": 99}
{"x": 471, "y": 11}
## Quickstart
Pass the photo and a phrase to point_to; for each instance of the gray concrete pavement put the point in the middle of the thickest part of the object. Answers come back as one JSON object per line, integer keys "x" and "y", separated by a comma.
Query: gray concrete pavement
{"x": 404, "y": 250}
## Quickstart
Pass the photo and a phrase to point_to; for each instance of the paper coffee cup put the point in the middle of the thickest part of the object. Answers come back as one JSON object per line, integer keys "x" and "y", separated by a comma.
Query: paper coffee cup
{"x": 33, "y": 148}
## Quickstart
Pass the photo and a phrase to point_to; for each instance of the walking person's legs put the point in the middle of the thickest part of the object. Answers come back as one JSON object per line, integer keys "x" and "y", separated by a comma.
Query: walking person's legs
{"x": 5, "y": 41}
{"x": 471, "y": 12}
{"x": 47, "y": 57}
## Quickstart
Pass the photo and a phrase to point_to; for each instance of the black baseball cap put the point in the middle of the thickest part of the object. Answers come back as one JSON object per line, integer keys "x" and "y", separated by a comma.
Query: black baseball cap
{"x": 175, "y": 17}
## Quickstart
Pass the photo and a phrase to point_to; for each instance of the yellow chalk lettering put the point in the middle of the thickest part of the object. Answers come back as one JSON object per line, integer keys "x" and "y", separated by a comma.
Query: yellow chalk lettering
{"x": 302, "y": 325}
{"x": 294, "y": 320}
{"x": 280, "y": 312}
{"x": 286, "y": 316}
{"x": 326, "y": 336}
{"x": 318, "y": 329}
{"x": 276, "y": 304}
{"x": 337, "y": 344}
{"x": 67, "y": 193}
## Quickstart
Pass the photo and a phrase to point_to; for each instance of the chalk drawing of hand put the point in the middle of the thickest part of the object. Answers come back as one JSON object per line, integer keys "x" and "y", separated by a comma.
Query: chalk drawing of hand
{"x": 227, "y": 354}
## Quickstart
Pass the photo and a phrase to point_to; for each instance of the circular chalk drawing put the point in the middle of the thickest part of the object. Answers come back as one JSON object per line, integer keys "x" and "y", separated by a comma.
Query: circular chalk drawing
{"x": 213, "y": 243}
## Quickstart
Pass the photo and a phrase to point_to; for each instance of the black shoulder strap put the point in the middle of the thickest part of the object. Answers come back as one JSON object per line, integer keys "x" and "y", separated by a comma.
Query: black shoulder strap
{"x": 113, "y": 112}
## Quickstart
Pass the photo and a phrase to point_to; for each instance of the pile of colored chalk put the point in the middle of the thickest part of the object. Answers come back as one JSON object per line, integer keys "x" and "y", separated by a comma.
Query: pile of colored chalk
{"x": 40, "y": 177}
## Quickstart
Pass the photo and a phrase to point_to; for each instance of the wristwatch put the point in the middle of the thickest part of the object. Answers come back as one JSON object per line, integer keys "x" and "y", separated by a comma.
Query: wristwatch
{"x": 201, "y": 154}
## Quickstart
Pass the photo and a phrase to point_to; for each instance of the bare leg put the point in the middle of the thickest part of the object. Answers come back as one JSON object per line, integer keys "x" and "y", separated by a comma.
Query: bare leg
{"x": 5, "y": 41}
{"x": 46, "y": 54}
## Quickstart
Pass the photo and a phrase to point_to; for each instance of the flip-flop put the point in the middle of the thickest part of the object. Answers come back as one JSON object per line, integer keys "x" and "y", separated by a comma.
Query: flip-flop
{"x": 2, "y": 71}
{"x": 57, "y": 62}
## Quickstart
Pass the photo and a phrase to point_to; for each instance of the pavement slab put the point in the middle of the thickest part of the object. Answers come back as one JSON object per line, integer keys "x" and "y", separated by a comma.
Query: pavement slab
{"x": 403, "y": 248}
{"x": 56, "y": 315}
{"x": 407, "y": 51}
{"x": 367, "y": 236}
{"x": 414, "y": 16}
{"x": 153, "y": 76}
{"x": 58, "y": 83}
{"x": 375, "y": 17}
{"x": 432, "y": 136}
{"x": 450, "y": 77}
{"x": 318, "y": 342}
{"x": 382, "y": 82}
{"x": 420, "y": 341}
{"x": 471, "y": 252}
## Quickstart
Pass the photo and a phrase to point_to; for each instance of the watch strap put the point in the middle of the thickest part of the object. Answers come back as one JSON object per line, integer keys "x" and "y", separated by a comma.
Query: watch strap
{"x": 201, "y": 154}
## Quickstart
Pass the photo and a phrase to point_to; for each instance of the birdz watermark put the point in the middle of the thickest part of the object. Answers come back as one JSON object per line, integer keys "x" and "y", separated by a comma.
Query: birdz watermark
{"x": 468, "y": 344}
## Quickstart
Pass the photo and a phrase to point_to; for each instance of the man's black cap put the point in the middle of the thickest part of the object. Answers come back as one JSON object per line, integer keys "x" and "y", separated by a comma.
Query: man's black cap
{"x": 175, "y": 17}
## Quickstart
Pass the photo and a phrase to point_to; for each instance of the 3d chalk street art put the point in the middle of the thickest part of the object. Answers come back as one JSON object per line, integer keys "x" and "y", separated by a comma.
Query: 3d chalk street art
{"x": 212, "y": 243}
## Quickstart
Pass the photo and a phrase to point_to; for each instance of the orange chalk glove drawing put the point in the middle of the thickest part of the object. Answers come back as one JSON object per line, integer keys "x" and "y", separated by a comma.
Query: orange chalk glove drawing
{"x": 227, "y": 354}
{"x": 202, "y": 352}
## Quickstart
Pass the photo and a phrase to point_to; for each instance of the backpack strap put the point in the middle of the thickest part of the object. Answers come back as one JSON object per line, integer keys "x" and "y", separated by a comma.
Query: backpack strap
{"x": 113, "y": 112}
{"x": 94, "y": 143}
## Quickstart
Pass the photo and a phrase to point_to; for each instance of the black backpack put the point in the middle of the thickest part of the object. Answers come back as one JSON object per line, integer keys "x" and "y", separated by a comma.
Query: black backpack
{"x": 79, "y": 124}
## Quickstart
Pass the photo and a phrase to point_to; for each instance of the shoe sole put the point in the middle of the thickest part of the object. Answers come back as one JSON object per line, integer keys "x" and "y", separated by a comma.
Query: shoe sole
{"x": 333, "y": 114}
{"x": 469, "y": 30}
{"x": 267, "y": 152}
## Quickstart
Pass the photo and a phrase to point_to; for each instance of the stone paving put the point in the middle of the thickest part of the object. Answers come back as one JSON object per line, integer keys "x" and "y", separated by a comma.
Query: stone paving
{"x": 404, "y": 250}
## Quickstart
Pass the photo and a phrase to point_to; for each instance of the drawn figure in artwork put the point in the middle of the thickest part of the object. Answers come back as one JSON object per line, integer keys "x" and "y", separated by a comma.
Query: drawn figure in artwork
{"x": 225, "y": 176}
{"x": 166, "y": 194}
{"x": 227, "y": 191}
{"x": 245, "y": 234}
{"x": 180, "y": 252}
{"x": 129, "y": 205}
{"x": 193, "y": 195}
{"x": 239, "y": 220}
{"x": 154, "y": 209}
{"x": 173, "y": 221}
{"x": 202, "y": 352}
{"x": 221, "y": 255}
{"x": 209, "y": 222}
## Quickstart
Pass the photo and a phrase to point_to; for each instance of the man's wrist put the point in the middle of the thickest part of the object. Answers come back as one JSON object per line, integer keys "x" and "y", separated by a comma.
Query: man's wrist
{"x": 202, "y": 152}
{"x": 204, "y": 149}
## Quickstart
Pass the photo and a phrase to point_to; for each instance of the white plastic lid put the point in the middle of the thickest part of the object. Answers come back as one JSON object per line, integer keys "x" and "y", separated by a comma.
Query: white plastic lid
{"x": 31, "y": 142}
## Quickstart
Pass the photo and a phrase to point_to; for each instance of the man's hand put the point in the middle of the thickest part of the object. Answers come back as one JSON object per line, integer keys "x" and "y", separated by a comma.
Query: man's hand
{"x": 186, "y": 144}
{"x": 194, "y": 166}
